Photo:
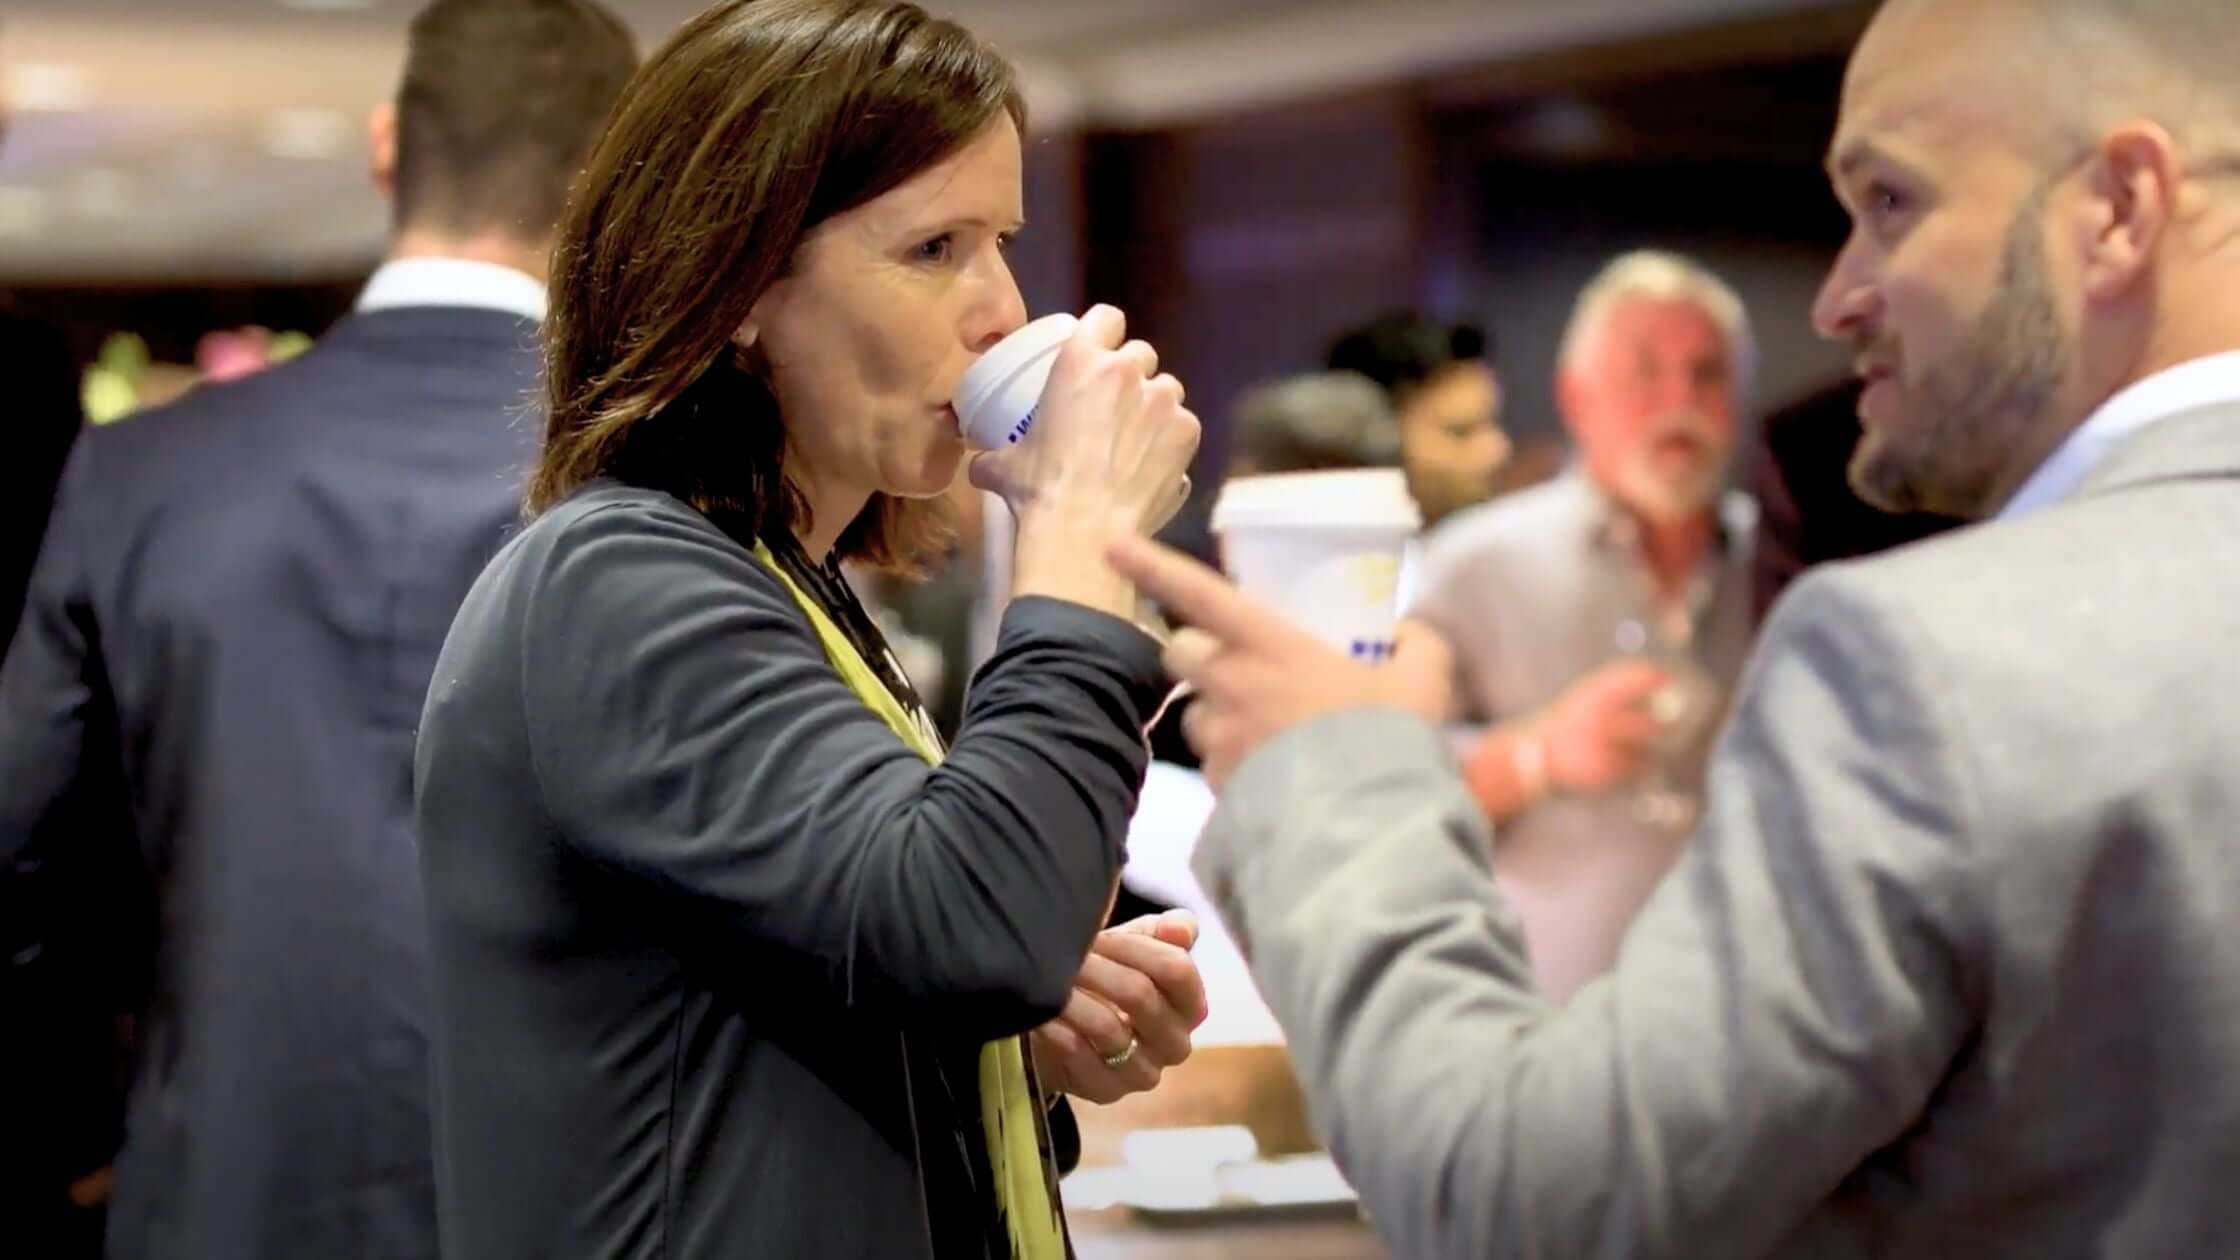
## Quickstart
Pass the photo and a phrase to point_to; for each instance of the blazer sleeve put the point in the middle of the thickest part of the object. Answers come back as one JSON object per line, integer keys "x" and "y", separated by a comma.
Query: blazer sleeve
{"x": 54, "y": 696}
{"x": 1783, "y": 1007}
{"x": 687, "y": 729}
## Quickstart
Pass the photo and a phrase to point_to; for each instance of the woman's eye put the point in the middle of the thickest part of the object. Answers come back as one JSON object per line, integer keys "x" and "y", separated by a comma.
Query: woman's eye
{"x": 1004, "y": 239}
{"x": 935, "y": 250}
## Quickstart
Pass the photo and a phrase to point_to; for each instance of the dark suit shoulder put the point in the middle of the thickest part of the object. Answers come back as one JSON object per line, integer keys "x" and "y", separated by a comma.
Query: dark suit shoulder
{"x": 210, "y": 410}
{"x": 474, "y": 392}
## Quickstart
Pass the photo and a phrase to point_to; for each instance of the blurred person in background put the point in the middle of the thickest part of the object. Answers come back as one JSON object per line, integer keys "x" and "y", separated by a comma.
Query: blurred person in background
{"x": 1441, "y": 383}
{"x": 1808, "y": 512}
{"x": 732, "y": 956}
{"x": 1598, "y": 620}
{"x": 1311, "y": 422}
{"x": 1538, "y": 457}
{"x": 1953, "y": 965}
{"x": 236, "y": 609}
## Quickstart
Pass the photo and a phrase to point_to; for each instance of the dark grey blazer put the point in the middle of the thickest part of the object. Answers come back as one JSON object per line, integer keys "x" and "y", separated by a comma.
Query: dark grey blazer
{"x": 234, "y": 614}
{"x": 1951, "y": 969}
{"x": 715, "y": 952}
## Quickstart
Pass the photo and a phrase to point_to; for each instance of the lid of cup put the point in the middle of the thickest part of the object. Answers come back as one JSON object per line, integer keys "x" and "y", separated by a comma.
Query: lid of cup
{"x": 1346, "y": 498}
{"x": 1025, "y": 344}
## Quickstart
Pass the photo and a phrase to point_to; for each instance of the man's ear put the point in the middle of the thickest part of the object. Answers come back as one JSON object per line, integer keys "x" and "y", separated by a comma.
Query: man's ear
{"x": 2133, "y": 180}
{"x": 381, "y": 146}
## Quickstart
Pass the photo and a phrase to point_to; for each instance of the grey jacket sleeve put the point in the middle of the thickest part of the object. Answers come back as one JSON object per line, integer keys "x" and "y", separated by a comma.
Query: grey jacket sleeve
{"x": 688, "y": 729}
{"x": 1782, "y": 1008}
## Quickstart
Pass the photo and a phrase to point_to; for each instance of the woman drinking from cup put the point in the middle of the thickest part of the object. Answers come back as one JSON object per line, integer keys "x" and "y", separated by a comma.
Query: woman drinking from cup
{"x": 730, "y": 959}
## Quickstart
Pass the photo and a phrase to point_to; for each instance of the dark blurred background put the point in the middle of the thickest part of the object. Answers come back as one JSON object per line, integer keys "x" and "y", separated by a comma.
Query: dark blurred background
{"x": 1245, "y": 178}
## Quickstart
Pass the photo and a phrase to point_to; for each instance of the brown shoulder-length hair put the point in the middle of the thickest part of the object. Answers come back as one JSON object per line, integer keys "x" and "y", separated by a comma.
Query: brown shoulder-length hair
{"x": 755, "y": 123}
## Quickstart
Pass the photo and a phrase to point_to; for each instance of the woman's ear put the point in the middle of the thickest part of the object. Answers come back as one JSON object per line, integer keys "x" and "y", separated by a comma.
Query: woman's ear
{"x": 764, "y": 310}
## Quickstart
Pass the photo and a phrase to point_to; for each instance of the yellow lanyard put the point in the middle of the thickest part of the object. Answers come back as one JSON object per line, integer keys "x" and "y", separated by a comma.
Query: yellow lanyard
{"x": 1008, "y": 1110}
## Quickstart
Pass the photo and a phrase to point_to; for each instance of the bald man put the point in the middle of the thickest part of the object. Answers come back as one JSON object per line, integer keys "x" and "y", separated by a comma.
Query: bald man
{"x": 1952, "y": 967}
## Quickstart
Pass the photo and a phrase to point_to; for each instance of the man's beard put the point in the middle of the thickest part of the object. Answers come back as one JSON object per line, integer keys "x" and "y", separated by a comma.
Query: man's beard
{"x": 1950, "y": 451}
{"x": 1670, "y": 495}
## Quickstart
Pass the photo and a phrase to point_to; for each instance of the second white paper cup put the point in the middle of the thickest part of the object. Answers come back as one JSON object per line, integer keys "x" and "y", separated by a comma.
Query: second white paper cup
{"x": 1326, "y": 549}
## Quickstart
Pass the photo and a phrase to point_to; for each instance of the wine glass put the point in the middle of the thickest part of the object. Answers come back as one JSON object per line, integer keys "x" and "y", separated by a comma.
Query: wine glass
{"x": 1683, "y": 708}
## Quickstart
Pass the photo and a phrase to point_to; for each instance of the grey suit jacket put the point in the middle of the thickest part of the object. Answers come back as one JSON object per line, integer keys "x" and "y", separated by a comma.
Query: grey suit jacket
{"x": 1952, "y": 969}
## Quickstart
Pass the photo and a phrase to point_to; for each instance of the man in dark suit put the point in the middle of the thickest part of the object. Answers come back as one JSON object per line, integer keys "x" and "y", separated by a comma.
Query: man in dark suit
{"x": 236, "y": 610}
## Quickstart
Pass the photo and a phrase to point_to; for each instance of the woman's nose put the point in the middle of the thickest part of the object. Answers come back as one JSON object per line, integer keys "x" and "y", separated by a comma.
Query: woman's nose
{"x": 1000, "y": 313}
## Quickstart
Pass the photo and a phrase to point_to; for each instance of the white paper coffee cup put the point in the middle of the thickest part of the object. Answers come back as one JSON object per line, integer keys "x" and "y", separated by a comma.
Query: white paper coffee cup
{"x": 996, "y": 400}
{"x": 1326, "y": 549}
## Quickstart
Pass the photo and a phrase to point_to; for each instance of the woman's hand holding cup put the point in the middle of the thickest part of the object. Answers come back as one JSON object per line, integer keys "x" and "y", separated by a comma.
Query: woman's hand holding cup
{"x": 1105, "y": 456}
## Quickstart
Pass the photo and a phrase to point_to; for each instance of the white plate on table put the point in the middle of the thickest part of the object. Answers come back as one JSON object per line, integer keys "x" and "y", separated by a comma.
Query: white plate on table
{"x": 1293, "y": 1184}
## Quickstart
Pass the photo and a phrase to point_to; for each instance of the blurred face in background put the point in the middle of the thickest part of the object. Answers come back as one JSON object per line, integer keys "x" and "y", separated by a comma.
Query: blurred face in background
{"x": 1650, "y": 399}
{"x": 1451, "y": 441}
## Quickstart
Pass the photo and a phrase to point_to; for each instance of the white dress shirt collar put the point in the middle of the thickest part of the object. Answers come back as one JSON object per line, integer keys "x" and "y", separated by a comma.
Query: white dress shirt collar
{"x": 2173, "y": 391}
{"x": 452, "y": 282}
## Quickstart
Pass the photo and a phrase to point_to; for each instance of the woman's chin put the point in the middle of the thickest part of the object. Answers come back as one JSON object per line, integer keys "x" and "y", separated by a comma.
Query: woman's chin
{"x": 933, "y": 476}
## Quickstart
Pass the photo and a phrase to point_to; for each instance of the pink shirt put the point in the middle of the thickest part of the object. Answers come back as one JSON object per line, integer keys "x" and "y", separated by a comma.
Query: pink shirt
{"x": 1534, "y": 591}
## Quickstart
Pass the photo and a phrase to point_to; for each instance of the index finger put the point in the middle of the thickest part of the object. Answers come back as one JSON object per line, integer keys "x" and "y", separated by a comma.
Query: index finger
{"x": 1197, "y": 594}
